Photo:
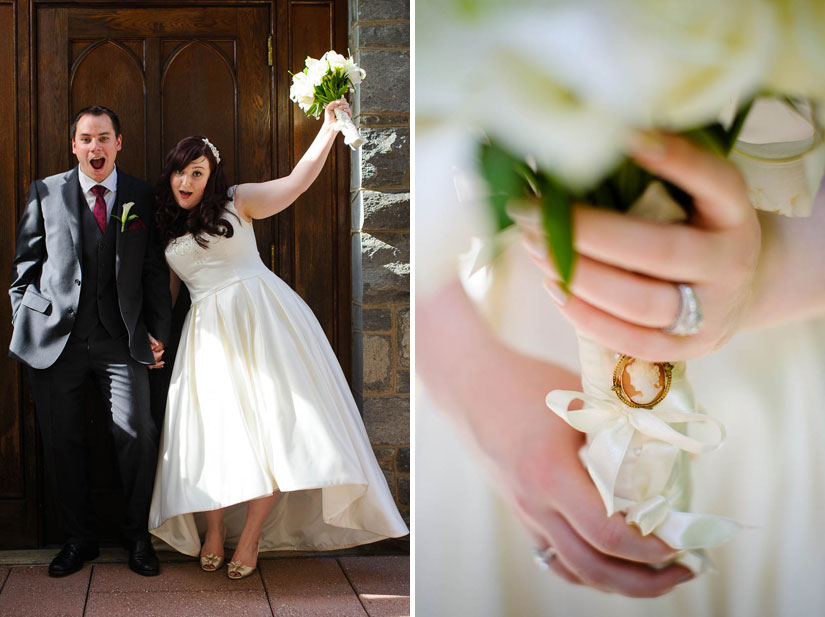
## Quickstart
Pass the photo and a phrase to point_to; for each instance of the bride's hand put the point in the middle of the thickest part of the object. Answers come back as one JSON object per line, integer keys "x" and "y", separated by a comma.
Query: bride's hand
{"x": 624, "y": 288}
{"x": 538, "y": 471}
{"x": 530, "y": 453}
{"x": 329, "y": 111}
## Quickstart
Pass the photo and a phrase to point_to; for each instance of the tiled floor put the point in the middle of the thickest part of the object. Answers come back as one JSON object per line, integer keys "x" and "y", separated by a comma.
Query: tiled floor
{"x": 296, "y": 587}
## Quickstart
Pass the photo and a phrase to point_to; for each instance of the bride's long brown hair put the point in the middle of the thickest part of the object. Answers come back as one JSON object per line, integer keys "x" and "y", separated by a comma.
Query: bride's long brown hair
{"x": 206, "y": 218}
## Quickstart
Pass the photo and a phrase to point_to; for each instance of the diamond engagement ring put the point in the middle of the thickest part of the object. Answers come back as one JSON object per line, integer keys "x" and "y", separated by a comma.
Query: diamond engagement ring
{"x": 544, "y": 557}
{"x": 689, "y": 319}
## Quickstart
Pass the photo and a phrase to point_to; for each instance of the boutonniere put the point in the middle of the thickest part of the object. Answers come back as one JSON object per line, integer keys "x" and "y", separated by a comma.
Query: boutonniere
{"x": 126, "y": 217}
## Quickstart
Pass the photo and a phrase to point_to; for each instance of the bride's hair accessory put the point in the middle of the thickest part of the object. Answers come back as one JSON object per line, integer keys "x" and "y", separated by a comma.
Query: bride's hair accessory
{"x": 689, "y": 319}
{"x": 212, "y": 147}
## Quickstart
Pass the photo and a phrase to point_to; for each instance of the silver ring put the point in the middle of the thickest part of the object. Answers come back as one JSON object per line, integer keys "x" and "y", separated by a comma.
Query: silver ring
{"x": 544, "y": 557}
{"x": 689, "y": 319}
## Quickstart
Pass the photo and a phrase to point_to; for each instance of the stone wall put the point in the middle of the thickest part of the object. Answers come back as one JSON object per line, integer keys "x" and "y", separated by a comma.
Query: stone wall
{"x": 380, "y": 41}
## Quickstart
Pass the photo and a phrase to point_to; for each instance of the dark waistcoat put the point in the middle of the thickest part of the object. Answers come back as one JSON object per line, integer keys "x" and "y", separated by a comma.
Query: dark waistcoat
{"x": 98, "y": 290}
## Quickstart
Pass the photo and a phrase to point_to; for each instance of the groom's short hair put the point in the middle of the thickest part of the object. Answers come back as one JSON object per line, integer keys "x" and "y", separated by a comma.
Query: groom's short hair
{"x": 96, "y": 110}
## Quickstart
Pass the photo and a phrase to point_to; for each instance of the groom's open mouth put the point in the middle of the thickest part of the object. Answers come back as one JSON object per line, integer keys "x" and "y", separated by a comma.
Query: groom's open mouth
{"x": 98, "y": 163}
{"x": 185, "y": 194}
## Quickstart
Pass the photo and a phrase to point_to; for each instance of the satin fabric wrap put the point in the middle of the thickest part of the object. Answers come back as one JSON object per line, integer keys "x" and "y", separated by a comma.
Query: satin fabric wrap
{"x": 639, "y": 459}
{"x": 781, "y": 155}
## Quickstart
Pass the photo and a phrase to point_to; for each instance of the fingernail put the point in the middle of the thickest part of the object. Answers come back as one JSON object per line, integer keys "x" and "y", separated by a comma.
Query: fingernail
{"x": 556, "y": 292}
{"x": 536, "y": 248}
{"x": 523, "y": 214}
{"x": 648, "y": 145}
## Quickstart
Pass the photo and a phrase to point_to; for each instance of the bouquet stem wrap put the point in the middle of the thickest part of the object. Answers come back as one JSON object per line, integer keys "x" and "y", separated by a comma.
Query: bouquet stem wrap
{"x": 351, "y": 135}
{"x": 639, "y": 458}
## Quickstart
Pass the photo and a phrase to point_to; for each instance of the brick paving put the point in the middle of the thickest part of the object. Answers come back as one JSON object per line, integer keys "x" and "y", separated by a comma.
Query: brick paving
{"x": 326, "y": 586}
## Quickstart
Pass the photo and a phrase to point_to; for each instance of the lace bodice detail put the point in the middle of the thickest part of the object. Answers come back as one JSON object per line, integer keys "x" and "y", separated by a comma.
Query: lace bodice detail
{"x": 223, "y": 262}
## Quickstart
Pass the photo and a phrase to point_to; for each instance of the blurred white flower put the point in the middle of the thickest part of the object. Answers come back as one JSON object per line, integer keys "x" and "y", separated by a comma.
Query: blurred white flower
{"x": 302, "y": 91}
{"x": 333, "y": 59}
{"x": 566, "y": 81}
{"x": 316, "y": 69}
{"x": 450, "y": 204}
{"x": 355, "y": 73}
{"x": 799, "y": 67}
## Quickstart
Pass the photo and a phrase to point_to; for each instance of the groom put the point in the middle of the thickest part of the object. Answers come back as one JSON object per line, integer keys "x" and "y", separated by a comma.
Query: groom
{"x": 90, "y": 298}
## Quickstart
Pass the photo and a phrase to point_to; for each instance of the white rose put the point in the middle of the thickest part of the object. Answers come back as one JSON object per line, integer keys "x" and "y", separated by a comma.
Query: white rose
{"x": 451, "y": 208}
{"x": 355, "y": 74}
{"x": 662, "y": 63}
{"x": 302, "y": 91}
{"x": 334, "y": 60}
{"x": 799, "y": 67}
{"x": 566, "y": 81}
{"x": 316, "y": 69}
{"x": 491, "y": 84}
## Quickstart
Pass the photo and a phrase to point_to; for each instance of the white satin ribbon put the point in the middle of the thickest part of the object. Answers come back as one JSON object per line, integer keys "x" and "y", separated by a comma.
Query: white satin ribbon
{"x": 648, "y": 482}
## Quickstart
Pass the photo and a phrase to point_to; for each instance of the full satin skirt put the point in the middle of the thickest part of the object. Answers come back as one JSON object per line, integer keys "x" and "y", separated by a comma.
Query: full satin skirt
{"x": 258, "y": 405}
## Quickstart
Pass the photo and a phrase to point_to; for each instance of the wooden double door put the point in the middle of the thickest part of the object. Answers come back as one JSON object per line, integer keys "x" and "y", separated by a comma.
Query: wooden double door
{"x": 169, "y": 70}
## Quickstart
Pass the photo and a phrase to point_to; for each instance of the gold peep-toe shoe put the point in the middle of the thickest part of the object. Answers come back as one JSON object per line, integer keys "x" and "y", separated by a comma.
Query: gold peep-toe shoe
{"x": 236, "y": 570}
{"x": 211, "y": 562}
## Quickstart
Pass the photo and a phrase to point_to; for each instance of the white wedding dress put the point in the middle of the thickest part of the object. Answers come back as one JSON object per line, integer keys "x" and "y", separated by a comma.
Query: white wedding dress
{"x": 258, "y": 404}
{"x": 474, "y": 558}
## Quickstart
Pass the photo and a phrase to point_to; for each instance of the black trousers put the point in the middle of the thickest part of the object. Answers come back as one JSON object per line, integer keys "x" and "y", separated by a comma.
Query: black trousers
{"x": 59, "y": 398}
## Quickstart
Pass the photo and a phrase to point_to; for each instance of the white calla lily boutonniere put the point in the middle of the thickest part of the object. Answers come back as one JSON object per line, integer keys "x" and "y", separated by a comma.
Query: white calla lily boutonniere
{"x": 125, "y": 217}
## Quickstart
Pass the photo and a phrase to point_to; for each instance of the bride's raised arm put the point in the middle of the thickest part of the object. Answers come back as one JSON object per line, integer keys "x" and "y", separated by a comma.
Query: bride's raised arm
{"x": 264, "y": 199}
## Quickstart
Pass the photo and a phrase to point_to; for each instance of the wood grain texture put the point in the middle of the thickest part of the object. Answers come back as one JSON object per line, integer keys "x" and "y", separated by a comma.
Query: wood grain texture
{"x": 109, "y": 73}
{"x": 199, "y": 97}
{"x": 284, "y": 223}
{"x": 314, "y": 213}
{"x": 255, "y": 112}
{"x": 52, "y": 94}
{"x": 11, "y": 429}
{"x": 26, "y": 157}
{"x": 58, "y": 47}
{"x": 146, "y": 22}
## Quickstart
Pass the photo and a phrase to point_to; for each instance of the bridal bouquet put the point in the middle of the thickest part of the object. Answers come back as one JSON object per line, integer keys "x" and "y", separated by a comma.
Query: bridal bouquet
{"x": 326, "y": 80}
{"x": 562, "y": 88}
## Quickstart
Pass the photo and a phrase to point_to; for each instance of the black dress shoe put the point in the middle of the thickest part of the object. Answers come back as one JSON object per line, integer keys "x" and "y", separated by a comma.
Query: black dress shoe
{"x": 142, "y": 558}
{"x": 71, "y": 557}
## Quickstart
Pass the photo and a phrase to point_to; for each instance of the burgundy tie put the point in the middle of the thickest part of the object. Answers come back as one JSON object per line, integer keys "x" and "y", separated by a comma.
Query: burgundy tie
{"x": 100, "y": 207}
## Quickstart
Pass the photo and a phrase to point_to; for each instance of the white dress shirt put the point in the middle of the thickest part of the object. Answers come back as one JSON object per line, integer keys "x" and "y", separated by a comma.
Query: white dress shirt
{"x": 110, "y": 182}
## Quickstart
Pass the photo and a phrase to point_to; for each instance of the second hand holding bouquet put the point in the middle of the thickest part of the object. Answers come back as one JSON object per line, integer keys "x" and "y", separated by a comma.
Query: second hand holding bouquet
{"x": 324, "y": 81}
{"x": 569, "y": 88}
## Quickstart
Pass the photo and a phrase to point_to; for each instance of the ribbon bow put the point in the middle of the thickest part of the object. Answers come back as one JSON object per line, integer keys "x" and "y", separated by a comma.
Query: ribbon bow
{"x": 610, "y": 426}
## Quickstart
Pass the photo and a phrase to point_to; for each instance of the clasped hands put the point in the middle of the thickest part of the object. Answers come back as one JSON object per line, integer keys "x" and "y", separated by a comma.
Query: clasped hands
{"x": 157, "y": 350}
{"x": 623, "y": 295}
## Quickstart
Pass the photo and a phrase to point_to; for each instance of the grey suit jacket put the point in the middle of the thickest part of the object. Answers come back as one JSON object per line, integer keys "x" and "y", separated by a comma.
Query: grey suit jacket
{"x": 47, "y": 271}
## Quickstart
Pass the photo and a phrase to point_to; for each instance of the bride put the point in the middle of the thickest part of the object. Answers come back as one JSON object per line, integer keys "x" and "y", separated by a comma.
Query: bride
{"x": 263, "y": 446}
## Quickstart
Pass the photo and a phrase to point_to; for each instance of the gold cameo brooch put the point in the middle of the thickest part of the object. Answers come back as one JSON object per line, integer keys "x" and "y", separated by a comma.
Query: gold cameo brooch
{"x": 641, "y": 384}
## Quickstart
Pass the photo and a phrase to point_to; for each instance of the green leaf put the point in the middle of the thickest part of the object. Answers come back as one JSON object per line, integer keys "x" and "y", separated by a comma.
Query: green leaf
{"x": 501, "y": 170}
{"x": 132, "y": 217}
{"x": 557, "y": 217}
{"x": 603, "y": 196}
{"x": 736, "y": 126}
{"x": 629, "y": 181}
{"x": 713, "y": 137}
